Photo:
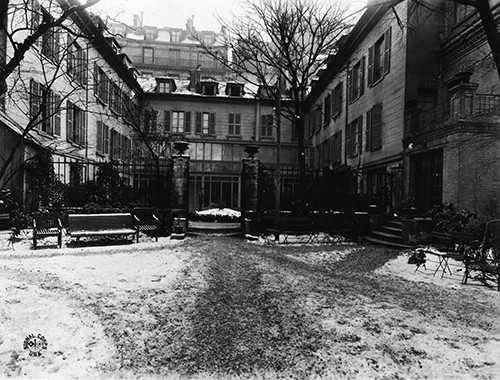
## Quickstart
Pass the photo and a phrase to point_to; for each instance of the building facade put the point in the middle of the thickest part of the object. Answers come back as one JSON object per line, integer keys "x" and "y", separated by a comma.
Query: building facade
{"x": 69, "y": 95}
{"x": 218, "y": 119}
{"x": 172, "y": 52}
{"x": 383, "y": 106}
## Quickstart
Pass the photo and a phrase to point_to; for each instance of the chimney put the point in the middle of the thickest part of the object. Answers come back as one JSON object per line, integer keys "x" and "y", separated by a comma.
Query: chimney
{"x": 136, "y": 21}
{"x": 195, "y": 80}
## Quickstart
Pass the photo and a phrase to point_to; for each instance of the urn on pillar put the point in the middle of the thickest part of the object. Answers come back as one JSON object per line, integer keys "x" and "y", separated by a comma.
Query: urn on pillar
{"x": 180, "y": 195}
{"x": 249, "y": 188}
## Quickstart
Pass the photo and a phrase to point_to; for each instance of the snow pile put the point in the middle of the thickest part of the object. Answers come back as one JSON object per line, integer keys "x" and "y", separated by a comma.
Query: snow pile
{"x": 220, "y": 212}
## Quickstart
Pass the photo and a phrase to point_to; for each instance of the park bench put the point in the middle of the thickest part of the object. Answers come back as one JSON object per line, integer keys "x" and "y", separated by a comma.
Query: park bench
{"x": 485, "y": 260}
{"x": 46, "y": 224}
{"x": 101, "y": 225}
{"x": 294, "y": 225}
{"x": 146, "y": 221}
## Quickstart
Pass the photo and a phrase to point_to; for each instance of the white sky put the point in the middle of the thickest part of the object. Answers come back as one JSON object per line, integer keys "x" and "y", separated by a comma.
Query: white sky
{"x": 174, "y": 13}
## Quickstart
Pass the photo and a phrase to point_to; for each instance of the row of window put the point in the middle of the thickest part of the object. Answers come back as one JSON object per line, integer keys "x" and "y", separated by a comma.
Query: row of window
{"x": 379, "y": 60}
{"x": 204, "y": 123}
{"x": 108, "y": 92}
{"x": 373, "y": 132}
{"x": 113, "y": 143}
{"x": 330, "y": 150}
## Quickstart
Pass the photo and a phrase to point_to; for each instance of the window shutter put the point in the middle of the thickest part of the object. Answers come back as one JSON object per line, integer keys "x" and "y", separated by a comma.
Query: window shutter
{"x": 360, "y": 134}
{"x": 57, "y": 45}
{"x": 348, "y": 140}
{"x": 69, "y": 56}
{"x": 377, "y": 126}
{"x": 370, "y": 65}
{"x": 362, "y": 76}
{"x": 100, "y": 137}
{"x": 187, "y": 127}
{"x": 387, "y": 51}
{"x": 69, "y": 121}
{"x": 83, "y": 67}
{"x": 339, "y": 147}
{"x": 166, "y": 122}
{"x": 198, "y": 122}
{"x": 349, "y": 85}
{"x": 96, "y": 79}
{"x": 211, "y": 123}
{"x": 34, "y": 101}
{"x": 57, "y": 114}
{"x": 368, "y": 136}
{"x": 105, "y": 139}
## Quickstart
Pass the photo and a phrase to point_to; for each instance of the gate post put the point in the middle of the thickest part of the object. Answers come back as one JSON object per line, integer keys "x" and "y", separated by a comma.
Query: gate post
{"x": 249, "y": 190}
{"x": 180, "y": 195}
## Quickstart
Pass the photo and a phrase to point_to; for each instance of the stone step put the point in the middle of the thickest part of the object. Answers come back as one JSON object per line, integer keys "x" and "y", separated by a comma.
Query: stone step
{"x": 396, "y": 238}
{"x": 386, "y": 243}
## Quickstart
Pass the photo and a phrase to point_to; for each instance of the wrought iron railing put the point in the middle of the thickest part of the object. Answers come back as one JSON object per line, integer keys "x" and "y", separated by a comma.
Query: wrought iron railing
{"x": 456, "y": 109}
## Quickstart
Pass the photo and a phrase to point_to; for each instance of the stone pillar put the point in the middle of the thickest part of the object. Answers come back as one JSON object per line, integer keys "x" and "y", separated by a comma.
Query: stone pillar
{"x": 180, "y": 188}
{"x": 249, "y": 190}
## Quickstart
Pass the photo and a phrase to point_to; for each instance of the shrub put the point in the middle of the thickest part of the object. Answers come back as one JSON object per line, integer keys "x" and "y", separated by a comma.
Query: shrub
{"x": 446, "y": 219}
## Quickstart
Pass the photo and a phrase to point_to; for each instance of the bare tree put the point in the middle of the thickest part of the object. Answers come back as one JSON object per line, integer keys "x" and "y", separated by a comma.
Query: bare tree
{"x": 290, "y": 40}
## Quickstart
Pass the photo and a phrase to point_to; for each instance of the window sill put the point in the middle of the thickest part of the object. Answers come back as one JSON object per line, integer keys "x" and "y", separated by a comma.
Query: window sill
{"x": 206, "y": 135}
{"x": 233, "y": 137}
{"x": 45, "y": 134}
{"x": 375, "y": 148}
{"x": 375, "y": 82}
{"x": 269, "y": 138}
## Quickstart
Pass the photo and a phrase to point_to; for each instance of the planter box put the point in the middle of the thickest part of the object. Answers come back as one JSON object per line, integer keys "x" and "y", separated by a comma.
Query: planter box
{"x": 416, "y": 230}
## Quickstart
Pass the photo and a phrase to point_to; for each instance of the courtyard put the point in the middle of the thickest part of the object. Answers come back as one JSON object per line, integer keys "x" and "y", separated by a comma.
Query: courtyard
{"x": 225, "y": 308}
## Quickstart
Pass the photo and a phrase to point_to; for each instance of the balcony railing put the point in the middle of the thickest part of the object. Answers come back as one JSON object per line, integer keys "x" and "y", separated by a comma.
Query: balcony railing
{"x": 139, "y": 60}
{"x": 477, "y": 107}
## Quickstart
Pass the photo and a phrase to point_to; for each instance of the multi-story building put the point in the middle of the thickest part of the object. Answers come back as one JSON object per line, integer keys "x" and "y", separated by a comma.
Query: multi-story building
{"x": 172, "y": 52}
{"x": 377, "y": 107}
{"x": 69, "y": 94}
{"x": 218, "y": 119}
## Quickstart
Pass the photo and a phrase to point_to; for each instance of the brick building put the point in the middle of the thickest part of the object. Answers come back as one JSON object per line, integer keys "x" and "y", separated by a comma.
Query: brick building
{"x": 391, "y": 105}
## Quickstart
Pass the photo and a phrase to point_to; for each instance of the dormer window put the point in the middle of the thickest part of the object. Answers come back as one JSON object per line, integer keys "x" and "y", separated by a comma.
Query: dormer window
{"x": 210, "y": 88}
{"x": 165, "y": 86}
{"x": 234, "y": 89}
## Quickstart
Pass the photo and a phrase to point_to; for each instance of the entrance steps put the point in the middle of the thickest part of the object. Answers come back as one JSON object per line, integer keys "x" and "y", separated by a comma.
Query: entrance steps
{"x": 389, "y": 234}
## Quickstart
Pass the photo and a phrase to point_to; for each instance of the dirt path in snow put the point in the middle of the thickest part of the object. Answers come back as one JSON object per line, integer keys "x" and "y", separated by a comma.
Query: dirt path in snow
{"x": 223, "y": 308}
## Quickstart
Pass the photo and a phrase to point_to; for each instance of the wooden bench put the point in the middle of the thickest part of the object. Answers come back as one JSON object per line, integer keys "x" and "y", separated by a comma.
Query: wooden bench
{"x": 45, "y": 225}
{"x": 146, "y": 221}
{"x": 294, "y": 225}
{"x": 101, "y": 225}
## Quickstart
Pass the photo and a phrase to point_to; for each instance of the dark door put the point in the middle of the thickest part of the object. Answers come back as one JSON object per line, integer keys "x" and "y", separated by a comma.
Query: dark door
{"x": 428, "y": 179}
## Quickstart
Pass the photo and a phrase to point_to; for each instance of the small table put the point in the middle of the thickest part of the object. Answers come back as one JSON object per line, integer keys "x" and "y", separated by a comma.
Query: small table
{"x": 443, "y": 258}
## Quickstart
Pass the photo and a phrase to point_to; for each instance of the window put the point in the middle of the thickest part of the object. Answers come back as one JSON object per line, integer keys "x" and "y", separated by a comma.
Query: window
{"x": 234, "y": 90}
{"x": 356, "y": 80}
{"x": 234, "y": 124}
{"x": 379, "y": 58}
{"x": 177, "y": 121}
{"x": 317, "y": 117}
{"x": 354, "y": 137}
{"x": 374, "y": 128}
{"x": 328, "y": 108}
{"x": 150, "y": 121}
{"x": 209, "y": 89}
{"x": 266, "y": 126}
{"x": 205, "y": 123}
{"x": 148, "y": 55}
{"x": 45, "y": 109}
{"x": 75, "y": 124}
{"x": 101, "y": 84}
{"x": 164, "y": 87}
{"x": 337, "y": 100}
{"x": 102, "y": 138}
{"x": 77, "y": 62}
{"x": 50, "y": 45}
